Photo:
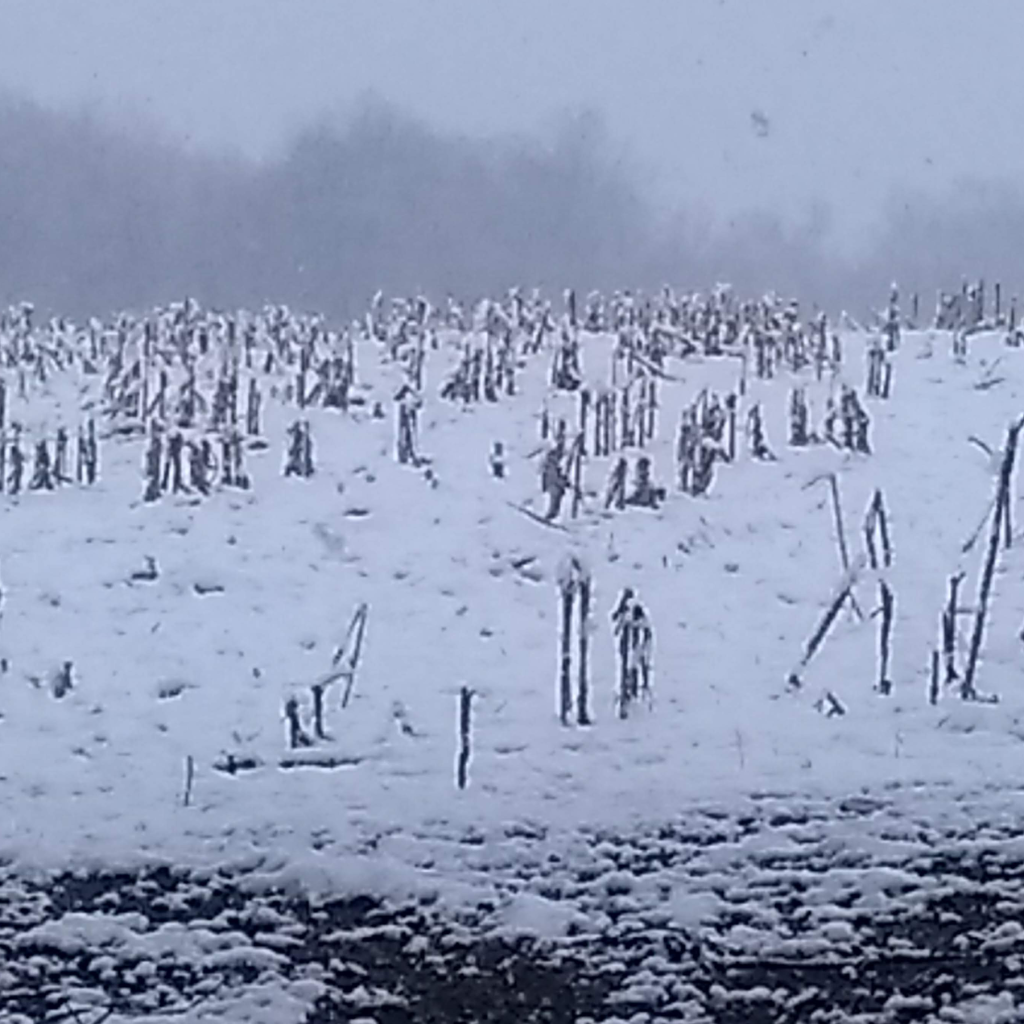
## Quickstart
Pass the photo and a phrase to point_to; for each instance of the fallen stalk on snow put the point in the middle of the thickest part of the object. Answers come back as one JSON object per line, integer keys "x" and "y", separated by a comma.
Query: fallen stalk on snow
{"x": 818, "y": 636}
{"x": 530, "y": 514}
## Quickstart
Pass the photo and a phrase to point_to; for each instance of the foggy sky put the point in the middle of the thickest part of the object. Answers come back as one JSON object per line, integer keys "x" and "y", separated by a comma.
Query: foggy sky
{"x": 859, "y": 97}
{"x": 311, "y": 152}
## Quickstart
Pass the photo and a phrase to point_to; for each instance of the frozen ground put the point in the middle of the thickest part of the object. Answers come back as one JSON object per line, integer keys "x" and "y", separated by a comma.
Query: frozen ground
{"x": 894, "y": 908}
{"x": 255, "y": 591}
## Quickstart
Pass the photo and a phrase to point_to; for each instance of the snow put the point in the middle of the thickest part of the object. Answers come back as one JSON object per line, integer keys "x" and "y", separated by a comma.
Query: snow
{"x": 255, "y": 592}
{"x": 537, "y": 916}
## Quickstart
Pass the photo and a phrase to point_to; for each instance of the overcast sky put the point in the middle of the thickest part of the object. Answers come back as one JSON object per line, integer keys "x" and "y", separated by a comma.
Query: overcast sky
{"x": 725, "y": 104}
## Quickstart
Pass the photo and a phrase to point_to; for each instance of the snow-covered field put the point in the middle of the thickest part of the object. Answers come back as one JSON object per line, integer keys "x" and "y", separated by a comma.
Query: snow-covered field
{"x": 255, "y": 590}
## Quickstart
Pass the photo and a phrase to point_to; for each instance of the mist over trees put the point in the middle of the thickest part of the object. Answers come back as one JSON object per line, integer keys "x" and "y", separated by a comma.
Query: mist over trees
{"x": 96, "y": 217}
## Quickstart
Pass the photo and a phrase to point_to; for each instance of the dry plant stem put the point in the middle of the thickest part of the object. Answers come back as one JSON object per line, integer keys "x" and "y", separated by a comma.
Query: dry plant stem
{"x": 844, "y": 556}
{"x": 968, "y": 690}
{"x": 465, "y": 709}
{"x": 565, "y": 662}
{"x": 826, "y": 623}
{"x": 583, "y": 683}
